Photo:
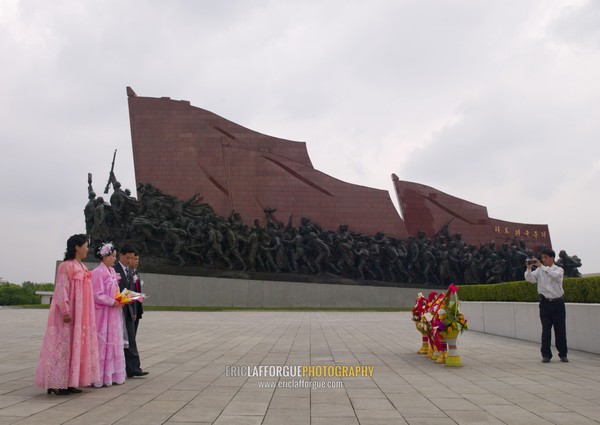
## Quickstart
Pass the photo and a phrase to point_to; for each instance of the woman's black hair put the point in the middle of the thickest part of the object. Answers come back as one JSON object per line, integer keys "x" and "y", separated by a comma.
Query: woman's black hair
{"x": 72, "y": 242}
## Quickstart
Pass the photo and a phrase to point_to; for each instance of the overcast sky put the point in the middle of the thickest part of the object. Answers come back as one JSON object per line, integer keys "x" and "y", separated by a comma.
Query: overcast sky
{"x": 495, "y": 102}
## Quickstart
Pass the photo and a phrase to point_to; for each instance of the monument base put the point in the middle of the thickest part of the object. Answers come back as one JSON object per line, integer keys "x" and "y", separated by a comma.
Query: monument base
{"x": 321, "y": 278}
{"x": 188, "y": 291}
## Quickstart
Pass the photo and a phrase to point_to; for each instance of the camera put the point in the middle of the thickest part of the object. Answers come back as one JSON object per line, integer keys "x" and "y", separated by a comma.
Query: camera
{"x": 531, "y": 261}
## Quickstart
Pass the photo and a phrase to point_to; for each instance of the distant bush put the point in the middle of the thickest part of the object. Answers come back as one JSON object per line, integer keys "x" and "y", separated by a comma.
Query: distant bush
{"x": 12, "y": 294}
{"x": 577, "y": 290}
{"x": 32, "y": 287}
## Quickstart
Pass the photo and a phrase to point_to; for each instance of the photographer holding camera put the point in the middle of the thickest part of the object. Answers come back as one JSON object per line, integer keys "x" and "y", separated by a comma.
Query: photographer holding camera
{"x": 549, "y": 279}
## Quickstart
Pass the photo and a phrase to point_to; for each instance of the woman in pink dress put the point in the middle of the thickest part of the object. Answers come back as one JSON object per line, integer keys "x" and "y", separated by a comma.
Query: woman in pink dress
{"x": 109, "y": 318}
{"x": 69, "y": 355}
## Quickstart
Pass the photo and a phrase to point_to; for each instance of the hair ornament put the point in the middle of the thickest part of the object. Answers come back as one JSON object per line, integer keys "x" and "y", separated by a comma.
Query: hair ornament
{"x": 105, "y": 249}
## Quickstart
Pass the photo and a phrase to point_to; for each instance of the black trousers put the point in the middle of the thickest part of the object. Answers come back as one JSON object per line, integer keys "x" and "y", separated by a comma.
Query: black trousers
{"x": 132, "y": 357}
{"x": 553, "y": 314}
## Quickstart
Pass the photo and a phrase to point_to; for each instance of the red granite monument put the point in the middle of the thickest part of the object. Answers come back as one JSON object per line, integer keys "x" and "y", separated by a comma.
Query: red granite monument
{"x": 429, "y": 210}
{"x": 183, "y": 150}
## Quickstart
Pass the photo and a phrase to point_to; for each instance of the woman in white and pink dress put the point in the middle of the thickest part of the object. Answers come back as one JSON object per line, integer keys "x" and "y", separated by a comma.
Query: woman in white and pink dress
{"x": 109, "y": 318}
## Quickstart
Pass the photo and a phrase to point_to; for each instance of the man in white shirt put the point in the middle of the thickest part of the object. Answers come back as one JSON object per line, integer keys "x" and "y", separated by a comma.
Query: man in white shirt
{"x": 549, "y": 279}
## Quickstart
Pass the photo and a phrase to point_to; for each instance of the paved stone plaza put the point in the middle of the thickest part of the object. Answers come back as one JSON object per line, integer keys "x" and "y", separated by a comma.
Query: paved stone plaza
{"x": 186, "y": 353}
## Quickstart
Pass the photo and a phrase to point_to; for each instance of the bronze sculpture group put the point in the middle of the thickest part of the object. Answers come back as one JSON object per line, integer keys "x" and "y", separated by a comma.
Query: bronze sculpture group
{"x": 188, "y": 233}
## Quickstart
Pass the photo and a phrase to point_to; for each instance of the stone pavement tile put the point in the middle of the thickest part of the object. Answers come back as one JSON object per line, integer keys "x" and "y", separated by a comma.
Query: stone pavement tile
{"x": 213, "y": 396}
{"x": 472, "y": 417}
{"x": 414, "y": 398}
{"x": 242, "y": 408}
{"x": 293, "y": 392}
{"x": 570, "y": 418}
{"x": 333, "y": 397}
{"x": 252, "y": 393}
{"x": 148, "y": 388}
{"x": 130, "y": 399}
{"x": 332, "y": 411}
{"x": 58, "y": 418}
{"x": 511, "y": 394}
{"x": 383, "y": 421}
{"x": 254, "y": 381}
{"x": 390, "y": 415}
{"x": 70, "y": 408}
{"x": 51, "y": 417}
{"x": 28, "y": 391}
{"x": 191, "y": 385}
{"x": 102, "y": 415}
{"x": 589, "y": 394}
{"x": 359, "y": 383}
{"x": 566, "y": 400}
{"x": 486, "y": 398}
{"x": 289, "y": 403}
{"x": 335, "y": 421}
{"x": 77, "y": 402}
{"x": 421, "y": 410}
{"x": 207, "y": 402}
{"x": 177, "y": 395}
{"x": 428, "y": 421}
{"x": 520, "y": 381}
{"x": 397, "y": 388}
{"x": 592, "y": 412}
{"x": 238, "y": 420}
{"x": 372, "y": 403}
{"x": 144, "y": 418}
{"x": 541, "y": 388}
{"x": 433, "y": 393}
{"x": 162, "y": 406}
{"x": 172, "y": 422}
{"x": 446, "y": 404}
{"x": 538, "y": 405}
{"x": 196, "y": 414}
{"x": 287, "y": 417}
{"x": 105, "y": 393}
{"x": 365, "y": 393}
{"x": 257, "y": 392}
{"x": 228, "y": 381}
{"x": 9, "y": 400}
{"x": 25, "y": 408}
{"x": 514, "y": 415}
{"x": 8, "y": 390}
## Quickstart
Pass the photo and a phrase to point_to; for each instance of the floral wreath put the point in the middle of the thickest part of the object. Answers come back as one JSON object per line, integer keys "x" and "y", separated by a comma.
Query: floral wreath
{"x": 105, "y": 249}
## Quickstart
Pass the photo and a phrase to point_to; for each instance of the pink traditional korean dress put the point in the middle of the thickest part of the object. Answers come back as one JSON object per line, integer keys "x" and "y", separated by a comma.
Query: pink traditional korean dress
{"x": 109, "y": 325}
{"x": 69, "y": 354}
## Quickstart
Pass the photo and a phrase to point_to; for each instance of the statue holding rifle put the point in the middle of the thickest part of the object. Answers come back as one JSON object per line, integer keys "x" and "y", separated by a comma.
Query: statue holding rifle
{"x": 111, "y": 176}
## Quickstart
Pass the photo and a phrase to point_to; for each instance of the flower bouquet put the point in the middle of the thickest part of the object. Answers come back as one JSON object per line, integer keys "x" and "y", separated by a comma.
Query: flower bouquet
{"x": 417, "y": 316}
{"x": 434, "y": 305}
{"x": 127, "y": 296}
{"x": 450, "y": 322}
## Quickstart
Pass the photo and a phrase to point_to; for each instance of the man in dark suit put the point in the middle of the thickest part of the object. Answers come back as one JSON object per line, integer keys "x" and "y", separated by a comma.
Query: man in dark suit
{"x": 130, "y": 313}
{"x": 137, "y": 287}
